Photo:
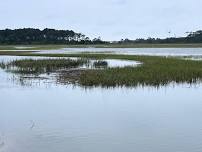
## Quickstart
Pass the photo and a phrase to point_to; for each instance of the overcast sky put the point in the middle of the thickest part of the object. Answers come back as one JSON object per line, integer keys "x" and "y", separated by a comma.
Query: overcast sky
{"x": 110, "y": 19}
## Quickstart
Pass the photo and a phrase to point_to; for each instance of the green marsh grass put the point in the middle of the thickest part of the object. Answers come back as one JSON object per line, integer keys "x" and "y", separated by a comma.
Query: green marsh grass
{"x": 40, "y": 66}
{"x": 154, "y": 71}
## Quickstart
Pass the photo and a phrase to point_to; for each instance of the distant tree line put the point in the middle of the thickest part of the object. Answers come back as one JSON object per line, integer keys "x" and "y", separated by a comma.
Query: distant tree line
{"x": 52, "y": 36}
{"x": 46, "y": 36}
{"x": 192, "y": 37}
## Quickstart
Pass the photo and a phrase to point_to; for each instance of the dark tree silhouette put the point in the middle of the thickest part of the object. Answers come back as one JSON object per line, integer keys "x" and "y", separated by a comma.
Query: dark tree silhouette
{"x": 192, "y": 37}
{"x": 46, "y": 36}
{"x": 52, "y": 36}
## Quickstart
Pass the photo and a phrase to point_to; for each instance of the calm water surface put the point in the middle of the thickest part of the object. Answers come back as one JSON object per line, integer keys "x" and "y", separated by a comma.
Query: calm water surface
{"x": 49, "y": 117}
{"x": 132, "y": 51}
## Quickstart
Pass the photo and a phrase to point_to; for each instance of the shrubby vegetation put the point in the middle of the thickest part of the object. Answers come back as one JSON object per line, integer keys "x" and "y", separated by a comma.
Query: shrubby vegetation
{"x": 192, "y": 37}
{"x": 46, "y": 36}
{"x": 100, "y": 64}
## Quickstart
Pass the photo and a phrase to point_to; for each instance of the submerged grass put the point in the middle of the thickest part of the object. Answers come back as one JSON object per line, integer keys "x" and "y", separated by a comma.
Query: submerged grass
{"x": 154, "y": 71}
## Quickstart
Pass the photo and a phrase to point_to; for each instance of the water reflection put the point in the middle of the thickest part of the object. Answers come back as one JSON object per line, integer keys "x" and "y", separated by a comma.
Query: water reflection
{"x": 50, "y": 117}
{"x": 120, "y": 119}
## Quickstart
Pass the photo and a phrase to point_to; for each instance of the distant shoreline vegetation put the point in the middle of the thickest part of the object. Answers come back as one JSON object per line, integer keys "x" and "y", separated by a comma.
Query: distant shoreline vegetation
{"x": 31, "y": 36}
{"x": 192, "y": 37}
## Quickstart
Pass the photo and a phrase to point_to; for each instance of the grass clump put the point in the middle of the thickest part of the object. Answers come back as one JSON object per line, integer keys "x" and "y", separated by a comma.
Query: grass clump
{"x": 154, "y": 71}
{"x": 2, "y": 65}
{"x": 100, "y": 64}
{"x": 40, "y": 66}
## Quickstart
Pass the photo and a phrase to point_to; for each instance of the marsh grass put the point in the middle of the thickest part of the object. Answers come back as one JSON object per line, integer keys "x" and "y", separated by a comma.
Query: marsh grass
{"x": 154, "y": 71}
{"x": 40, "y": 66}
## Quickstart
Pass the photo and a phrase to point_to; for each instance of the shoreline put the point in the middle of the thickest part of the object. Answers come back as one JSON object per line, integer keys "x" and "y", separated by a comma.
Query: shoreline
{"x": 52, "y": 47}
